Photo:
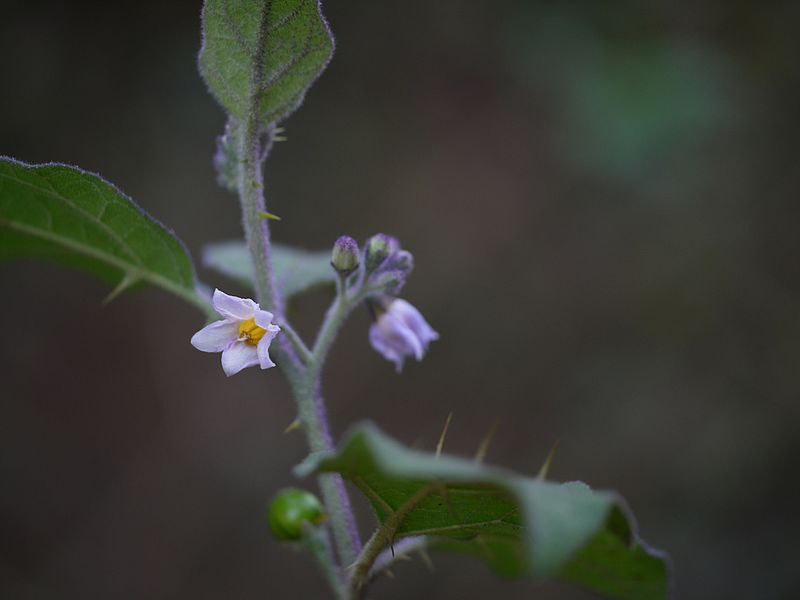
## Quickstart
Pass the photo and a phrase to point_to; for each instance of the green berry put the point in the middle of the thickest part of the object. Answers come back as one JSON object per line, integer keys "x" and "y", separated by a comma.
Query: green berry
{"x": 289, "y": 512}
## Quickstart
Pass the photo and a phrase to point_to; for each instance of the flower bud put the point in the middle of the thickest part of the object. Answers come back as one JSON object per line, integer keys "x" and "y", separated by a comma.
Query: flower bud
{"x": 291, "y": 510}
{"x": 390, "y": 282}
{"x": 378, "y": 249}
{"x": 226, "y": 161}
{"x": 345, "y": 255}
{"x": 399, "y": 331}
{"x": 404, "y": 261}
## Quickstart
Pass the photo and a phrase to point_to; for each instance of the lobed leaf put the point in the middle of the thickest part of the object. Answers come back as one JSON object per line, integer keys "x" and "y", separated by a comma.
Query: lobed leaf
{"x": 296, "y": 270}
{"x": 518, "y": 525}
{"x": 64, "y": 214}
{"x": 263, "y": 55}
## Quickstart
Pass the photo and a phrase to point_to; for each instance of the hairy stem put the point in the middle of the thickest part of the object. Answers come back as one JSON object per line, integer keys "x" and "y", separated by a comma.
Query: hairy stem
{"x": 318, "y": 542}
{"x": 252, "y": 150}
{"x": 297, "y": 362}
{"x": 338, "y": 312}
{"x": 301, "y": 366}
{"x": 313, "y": 416}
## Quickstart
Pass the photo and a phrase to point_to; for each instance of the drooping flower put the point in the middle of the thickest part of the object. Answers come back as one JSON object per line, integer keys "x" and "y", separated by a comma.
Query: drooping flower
{"x": 243, "y": 335}
{"x": 400, "y": 331}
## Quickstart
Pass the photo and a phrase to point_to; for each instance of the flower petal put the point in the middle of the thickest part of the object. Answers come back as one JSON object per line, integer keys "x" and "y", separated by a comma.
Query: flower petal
{"x": 232, "y": 307}
{"x": 394, "y": 340}
{"x": 263, "y": 318}
{"x": 401, "y": 335}
{"x": 216, "y": 336}
{"x": 414, "y": 320}
{"x": 263, "y": 347}
{"x": 386, "y": 350}
{"x": 238, "y": 356}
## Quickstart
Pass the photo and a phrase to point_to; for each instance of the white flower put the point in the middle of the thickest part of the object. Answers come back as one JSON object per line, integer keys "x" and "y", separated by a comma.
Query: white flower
{"x": 243, "y": 336}
{"x": 401, "y": 331}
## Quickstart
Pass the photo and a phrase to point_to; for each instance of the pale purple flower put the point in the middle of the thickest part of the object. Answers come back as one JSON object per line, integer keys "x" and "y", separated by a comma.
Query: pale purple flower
{"x": 401, "y": 331}
{"x": 243, "y": 335}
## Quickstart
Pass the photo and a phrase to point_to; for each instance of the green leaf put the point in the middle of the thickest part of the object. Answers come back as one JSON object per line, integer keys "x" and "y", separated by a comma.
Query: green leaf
{"x": 518, "y": 525}
{"x": 63, "y": 214}
{"x": 263, "y": 54}
{"x": 296, "y": 270}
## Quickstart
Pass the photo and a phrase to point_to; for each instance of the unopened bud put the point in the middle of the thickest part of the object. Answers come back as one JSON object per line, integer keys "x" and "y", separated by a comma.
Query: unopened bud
{"x": 390, "y": 282}
{"x": 345, "y": 255}
{"x": 226, "y": 161}
{"x": 378, "y": 249}
{"x": 404, "y": 261}
{"x": 292, "y": 511}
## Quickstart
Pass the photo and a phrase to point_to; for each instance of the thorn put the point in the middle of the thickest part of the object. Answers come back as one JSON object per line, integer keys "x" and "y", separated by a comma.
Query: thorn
{"x": 403, "y": 557}
{"x": 279, "y": 138}
{"x": 294, "y": 426}
{"x": 546, "y": 466}
{"x": 392, "y": 548}
{"x": 279, "y": 130}
{"x": 389, "y": 573}
{"x": 426, "y": 559}
{"x": 266, "y": 215}
{"x": 440, "y": 443}
{"x": 127, "y": 281}
{"x": 483, "y": 448}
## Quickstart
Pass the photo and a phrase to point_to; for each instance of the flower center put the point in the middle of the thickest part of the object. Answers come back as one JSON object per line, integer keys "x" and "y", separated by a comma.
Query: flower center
{"x": 251, "y": 333}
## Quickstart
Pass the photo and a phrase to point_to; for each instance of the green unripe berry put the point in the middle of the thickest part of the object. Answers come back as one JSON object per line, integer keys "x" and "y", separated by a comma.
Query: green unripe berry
{"x": 291, "y": 509}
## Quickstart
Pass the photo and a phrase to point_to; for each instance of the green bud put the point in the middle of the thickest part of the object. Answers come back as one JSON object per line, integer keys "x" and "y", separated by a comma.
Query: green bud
{"x": 378, "y": 249}
{"x": 291, "y": 509}
{"x": 345, "y": 255}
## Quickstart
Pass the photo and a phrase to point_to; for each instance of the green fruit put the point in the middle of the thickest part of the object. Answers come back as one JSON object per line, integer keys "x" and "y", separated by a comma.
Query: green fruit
{"x": 290, "y": 510}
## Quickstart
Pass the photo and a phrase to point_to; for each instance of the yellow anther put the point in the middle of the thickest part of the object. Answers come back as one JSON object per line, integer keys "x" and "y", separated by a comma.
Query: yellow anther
{"x": 250, "y": 332}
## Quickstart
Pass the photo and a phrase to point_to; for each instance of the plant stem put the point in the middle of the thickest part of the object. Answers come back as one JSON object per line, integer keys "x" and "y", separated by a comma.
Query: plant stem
{"x": 303, "y": 372}
{"x": 251, "y": 195}
{"x": 297, "y": 342}
{"x": 313, "y": 415}
{"x": 337, "y": 314}
{"x": 318, "y": 542}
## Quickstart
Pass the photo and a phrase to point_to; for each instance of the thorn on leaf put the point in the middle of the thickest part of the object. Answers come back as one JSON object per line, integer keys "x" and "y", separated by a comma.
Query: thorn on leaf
{"x": 426, "y": 559}
{"x": 483, "y": 447}
{"x": 127, "y": 281}
{"x": 440, "y": 443}
{"x": 547, "y": 461}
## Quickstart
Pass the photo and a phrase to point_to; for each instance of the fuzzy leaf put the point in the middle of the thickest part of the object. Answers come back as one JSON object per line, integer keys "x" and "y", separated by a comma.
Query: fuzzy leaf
{"x": 66, "y": 215}
{"x": 263, "y": 54}
{"x": 518, "y": 525}
{"x": 296, "y": 270}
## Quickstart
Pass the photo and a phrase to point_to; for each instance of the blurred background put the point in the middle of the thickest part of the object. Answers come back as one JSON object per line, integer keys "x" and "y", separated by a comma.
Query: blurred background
{"x": 602, "y": 199}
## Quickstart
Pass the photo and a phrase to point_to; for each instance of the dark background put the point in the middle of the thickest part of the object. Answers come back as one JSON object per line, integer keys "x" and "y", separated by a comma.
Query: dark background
{"x": 602, "y": 199}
